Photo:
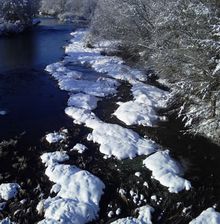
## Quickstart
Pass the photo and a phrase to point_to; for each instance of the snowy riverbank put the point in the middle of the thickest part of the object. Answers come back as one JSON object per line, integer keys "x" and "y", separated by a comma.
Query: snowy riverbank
{"x": 114, "y": 140}
{"x": 106, "y": 166}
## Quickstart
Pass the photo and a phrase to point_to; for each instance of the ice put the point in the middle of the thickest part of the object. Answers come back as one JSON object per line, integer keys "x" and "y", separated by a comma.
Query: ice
{"x": 80, "y": 148}
{"x": 144, "y": 217}
{"x": 84, "y": 101}
{"x": 8, "y": 190}
{"x": 114, "y": 140}
{"x": 78, "y": 193}
{"x": 55, "y": 137}
{"x": 167, "y": 171}
{"x": 209, "y": 216}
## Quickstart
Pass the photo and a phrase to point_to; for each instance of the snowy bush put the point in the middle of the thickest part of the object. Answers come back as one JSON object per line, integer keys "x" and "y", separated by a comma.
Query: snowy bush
{"x": 16, "y": 15}
{"x": 68, "y": 9}
{"x": 180, "y": 40}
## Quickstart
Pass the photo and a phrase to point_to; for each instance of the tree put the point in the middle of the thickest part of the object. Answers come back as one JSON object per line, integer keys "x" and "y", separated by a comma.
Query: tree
{"x": 180, "y": 41}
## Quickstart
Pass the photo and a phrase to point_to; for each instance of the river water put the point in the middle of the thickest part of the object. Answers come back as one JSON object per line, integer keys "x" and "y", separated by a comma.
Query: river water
{"x": 28, "y": 94}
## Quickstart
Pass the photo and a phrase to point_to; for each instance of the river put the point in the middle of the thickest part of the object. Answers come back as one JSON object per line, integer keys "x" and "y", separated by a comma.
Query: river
{"x": 28, "y": 94}
{"x": 35, "y": 105}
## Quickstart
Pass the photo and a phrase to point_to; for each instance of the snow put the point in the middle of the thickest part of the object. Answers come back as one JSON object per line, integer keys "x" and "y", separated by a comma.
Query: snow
{"x": 113, "y": 139}
{"x": 55, "y": 137}
{"x": 6, "y": 221}
{"x": 101, "y": 87}
{"x": 8, "y": 190}
{"x": 84, "y": 101}
{"x": 132, "y": 112}
{"x": 52, "y": 157}
{"x": 142, "y": 110}
{"x": 78, "y": 193}
{"x": 217, "y": 68}
{"x": 144, "y": 217}
{"x": 167, "y": 171}
{"x": 118, "y": 211}
{"x": 80, "y": 148}
{"x": 137, "y": 174}
{"x": 149, "y": 95}
{"x": 3, "y": 112}
{"x": 209, "y": 216}
{"x": 113, "y": 66}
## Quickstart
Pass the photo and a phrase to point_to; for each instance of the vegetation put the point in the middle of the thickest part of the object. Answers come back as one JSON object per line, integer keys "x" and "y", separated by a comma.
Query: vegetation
{"x": 180, "y": 40}
{"x": 16, "y": 15}
{"x": 69, "y": 9}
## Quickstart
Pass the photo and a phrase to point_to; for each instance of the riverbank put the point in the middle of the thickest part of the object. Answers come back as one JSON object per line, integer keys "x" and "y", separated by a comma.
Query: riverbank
{"x": 80, "y": 111}
{"x": 106, "y": 151}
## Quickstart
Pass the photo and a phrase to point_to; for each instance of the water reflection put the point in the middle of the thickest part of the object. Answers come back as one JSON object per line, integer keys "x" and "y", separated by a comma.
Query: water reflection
{"x": 17, "y": 51}
{"x": 29, "y": 95}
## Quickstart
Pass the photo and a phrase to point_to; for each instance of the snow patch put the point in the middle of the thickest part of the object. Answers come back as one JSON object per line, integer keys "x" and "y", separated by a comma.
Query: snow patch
{"x": 142, "y": 110}
{"x": 80, "y": 148}
{"x": 167, "y": 171}
{"x": 54, "y": 157}
{"x": 55, "y": 137}
{"x": 8, "y": 190}
{"x": 78, "y": 193}
{"x": 209, "y": 216}
{"x": 6, "y": 221}
{"x": 114, "y": 140}
{"x": 144, "y": 217}
{"x": 84, "y": 101}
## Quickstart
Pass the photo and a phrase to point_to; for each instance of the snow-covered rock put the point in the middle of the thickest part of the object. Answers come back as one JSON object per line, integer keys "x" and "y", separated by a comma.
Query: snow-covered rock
{"x": 78, "y": 193}
{"x": 132, "y": 112}
{"x": 142, "y": 110}
{"x": 55, "y": 137}
{"x": 114, "y": 140}
{"x": 144, "y": 217}
{"x": 84, "y": 101}
{"x": 80, "y": 148}
{"x": 209, "y": 216}
{"x": 54, "y": 157}
{"x": 8, "y": 190}
{"x": 167, "y": 171}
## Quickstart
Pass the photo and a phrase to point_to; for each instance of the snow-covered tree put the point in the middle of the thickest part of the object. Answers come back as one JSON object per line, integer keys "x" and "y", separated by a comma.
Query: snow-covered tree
{"x": 71, "y": 9}
{"x": 16, "y": 15}
{"x": 181, "y": 41}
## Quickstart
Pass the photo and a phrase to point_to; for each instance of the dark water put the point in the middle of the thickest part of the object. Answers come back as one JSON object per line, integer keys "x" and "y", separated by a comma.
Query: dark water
{"x": 30, "y": 96}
